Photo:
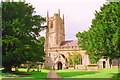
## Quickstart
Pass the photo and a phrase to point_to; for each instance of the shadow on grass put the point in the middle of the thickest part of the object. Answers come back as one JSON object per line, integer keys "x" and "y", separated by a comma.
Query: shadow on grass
{"x": 116, "y": 76}
{"x": 76, "y": 73}
{"x": 21, "y": 73}
{"x": 24, "y": 75}
{"x": 36, "y": 75}
{"x": 21, "y": 79}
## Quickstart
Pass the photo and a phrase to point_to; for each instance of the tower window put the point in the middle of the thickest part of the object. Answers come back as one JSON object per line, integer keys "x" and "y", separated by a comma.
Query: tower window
{"x": 51, "y": 25}
{"x": 61, "y": 25}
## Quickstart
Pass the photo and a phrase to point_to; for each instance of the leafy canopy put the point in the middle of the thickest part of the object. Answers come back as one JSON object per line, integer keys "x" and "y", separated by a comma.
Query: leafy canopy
{"x": 20, "y": 27}
{"x": 74, "y": 58}
{"x": 102, "y": 39}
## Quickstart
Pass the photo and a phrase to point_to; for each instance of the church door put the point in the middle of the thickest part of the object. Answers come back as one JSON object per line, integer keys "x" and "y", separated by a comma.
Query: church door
{"x": 59, "y": 65}
{"x": 104, "y": 63}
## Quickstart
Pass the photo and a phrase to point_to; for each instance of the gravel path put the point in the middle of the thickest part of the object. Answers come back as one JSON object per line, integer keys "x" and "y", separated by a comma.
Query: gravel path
{"x": 52, "y": 75}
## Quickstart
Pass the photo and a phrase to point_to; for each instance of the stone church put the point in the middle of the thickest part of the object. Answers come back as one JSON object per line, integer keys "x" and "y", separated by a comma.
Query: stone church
{"x": 56, "y": 47}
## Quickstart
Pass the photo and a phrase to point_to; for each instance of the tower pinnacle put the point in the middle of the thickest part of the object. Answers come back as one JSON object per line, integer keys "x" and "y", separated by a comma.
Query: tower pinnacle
{"x": 63, "y": 18}
{"x": 59, "y": 12}
{"x": 47, "y": 17}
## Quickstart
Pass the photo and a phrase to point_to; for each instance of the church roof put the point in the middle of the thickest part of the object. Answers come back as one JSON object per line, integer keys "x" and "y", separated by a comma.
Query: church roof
{"x": 69, "y": 43}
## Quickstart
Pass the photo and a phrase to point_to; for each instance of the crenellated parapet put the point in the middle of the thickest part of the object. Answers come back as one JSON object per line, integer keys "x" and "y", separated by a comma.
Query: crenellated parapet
{"x": 64, "y": 48}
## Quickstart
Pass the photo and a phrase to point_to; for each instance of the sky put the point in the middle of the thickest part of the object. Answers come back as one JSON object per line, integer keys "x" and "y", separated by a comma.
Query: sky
{"x": 78, "y": 14}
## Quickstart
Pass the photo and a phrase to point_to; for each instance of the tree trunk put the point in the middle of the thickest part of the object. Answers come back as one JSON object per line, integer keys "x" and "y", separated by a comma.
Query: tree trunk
{"x": 74, "y": 67}
{"x": 16, "y": 68}
{"x": 7, "y": 68}
{"x": 118, "y": 62}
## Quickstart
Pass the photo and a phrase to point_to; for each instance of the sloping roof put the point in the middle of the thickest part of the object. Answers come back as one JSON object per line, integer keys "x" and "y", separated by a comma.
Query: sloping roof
{"x": 69, "y": 43}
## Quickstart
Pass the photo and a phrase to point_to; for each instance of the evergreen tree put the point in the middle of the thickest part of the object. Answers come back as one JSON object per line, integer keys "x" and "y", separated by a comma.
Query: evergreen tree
{"x": 103, "y": 38}
{"x": 20, "y": 27}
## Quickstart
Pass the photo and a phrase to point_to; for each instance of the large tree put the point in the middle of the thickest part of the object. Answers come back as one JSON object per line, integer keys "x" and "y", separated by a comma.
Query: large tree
{"x": 103, "y": 38}
{"x": 20, "y": 27}
{"x": 74, "y": 58}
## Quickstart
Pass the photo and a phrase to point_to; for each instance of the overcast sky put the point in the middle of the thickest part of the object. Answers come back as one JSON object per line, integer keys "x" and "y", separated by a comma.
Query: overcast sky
{"x": 78, "y": 13}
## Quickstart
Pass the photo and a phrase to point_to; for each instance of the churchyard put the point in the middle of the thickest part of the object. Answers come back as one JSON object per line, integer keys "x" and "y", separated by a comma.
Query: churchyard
{"x": 66, "y": 73}
{"x": 98, "y": 47}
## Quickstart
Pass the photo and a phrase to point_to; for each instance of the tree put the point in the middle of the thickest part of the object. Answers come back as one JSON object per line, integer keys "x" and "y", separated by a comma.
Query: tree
{"x": 74, "y": 58}
{"x": 102, "y": 39}
{"x": 41, "y": 41}
{"x": 0, "y": 35}
{"x": 36, "y": 58}
{"x": 20, "y": 27}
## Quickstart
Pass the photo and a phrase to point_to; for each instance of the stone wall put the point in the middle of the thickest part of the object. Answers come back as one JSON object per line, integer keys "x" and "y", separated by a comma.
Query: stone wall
{"x": 55, "y": 52}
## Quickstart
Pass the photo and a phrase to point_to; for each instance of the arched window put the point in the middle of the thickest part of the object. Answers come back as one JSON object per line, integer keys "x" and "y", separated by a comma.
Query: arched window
{"x": 80, "y": 60}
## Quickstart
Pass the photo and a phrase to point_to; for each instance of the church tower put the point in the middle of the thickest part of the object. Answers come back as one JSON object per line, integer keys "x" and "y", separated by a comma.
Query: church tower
{"x": 56, "y": 48}
{"x": 55, "y": 33}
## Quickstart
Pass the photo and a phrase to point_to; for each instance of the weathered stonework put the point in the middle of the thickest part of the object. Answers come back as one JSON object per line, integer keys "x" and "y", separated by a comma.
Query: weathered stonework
{"x": 56, "y": 47}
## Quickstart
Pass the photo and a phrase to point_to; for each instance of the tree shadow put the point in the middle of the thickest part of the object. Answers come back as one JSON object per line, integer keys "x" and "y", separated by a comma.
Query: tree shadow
{"x": 18, "y": 74}
{"x": 116, "y": 76}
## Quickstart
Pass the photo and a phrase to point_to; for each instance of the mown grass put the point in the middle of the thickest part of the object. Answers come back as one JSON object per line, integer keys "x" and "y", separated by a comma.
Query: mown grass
{"x": 78, "y": 73}
{"x": 35, "y": 75}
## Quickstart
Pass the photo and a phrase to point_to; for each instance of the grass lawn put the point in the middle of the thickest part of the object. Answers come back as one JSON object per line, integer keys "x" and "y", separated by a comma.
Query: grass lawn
{"x": 78, "y": 73}
{"x": 35, "y": 75}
